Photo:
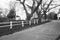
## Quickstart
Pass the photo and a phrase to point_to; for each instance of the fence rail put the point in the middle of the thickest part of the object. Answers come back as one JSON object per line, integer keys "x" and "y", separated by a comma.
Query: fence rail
{"x": 15, "y": 23}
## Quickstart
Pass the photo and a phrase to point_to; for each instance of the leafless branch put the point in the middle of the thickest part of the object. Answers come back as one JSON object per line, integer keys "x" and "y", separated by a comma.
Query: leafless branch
{"x": 23, "y": 3}
{"x": 29, "y": 6}
{"x": 44, "y": 4}
{"x": 52, "y": 8}
{"x": 49, "y": 4}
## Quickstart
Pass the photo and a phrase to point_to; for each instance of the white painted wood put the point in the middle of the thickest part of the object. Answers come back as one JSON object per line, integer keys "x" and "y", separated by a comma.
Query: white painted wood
{"x": 10, "y": 24}
{"x": 22, "y": 23}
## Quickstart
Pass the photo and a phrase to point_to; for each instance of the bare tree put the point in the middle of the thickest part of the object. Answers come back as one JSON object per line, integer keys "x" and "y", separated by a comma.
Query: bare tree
{"x": 47, "y": 9}
{"x": 23, "y": 3}
{"x": 36, "y": 8}
{"x": 33, "y": 8}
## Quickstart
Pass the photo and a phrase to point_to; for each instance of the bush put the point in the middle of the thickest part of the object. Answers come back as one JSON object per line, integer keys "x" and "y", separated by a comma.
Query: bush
{"x": 11, "y": 14}
{"x": 52, "y": 15}
{"x": 3, "y": 19}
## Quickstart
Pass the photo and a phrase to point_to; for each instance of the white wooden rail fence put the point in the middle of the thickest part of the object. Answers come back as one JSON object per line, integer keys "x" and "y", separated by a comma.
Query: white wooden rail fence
{"x": 18, "y": 23}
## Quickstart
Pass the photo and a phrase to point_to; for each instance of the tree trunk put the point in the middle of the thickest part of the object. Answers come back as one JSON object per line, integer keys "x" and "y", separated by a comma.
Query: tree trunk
{"x": 39, "y": 15}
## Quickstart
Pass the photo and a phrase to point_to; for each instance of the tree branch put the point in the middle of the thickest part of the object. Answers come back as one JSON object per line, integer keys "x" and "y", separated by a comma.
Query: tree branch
{"x": 24, "y": 6}
{"x": 49, "y": 4}
{"x": 52, "y": 8}
{"x": 29, "y": 6}
{"x": 37, "y": 6}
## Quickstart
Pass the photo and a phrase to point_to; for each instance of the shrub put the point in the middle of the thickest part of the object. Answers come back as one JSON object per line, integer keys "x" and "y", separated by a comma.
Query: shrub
{"x": 3, "y": 19}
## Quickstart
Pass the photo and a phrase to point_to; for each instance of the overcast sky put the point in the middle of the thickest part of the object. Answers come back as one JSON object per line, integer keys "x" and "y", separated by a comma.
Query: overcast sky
{"x": 4, "y": 3}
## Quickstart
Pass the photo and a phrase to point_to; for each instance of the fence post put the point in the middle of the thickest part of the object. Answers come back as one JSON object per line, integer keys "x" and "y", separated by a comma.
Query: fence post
{"x": 22, "y": 23}
{"x": 10, "y": 24}
{"x": 29, "y": 22}
{"x": 37, "y": 21}
{"x": 34, "y": 21}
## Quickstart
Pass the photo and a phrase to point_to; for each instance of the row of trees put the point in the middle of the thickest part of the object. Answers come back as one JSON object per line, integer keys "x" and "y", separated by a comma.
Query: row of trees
{"x": 38, "y": 6}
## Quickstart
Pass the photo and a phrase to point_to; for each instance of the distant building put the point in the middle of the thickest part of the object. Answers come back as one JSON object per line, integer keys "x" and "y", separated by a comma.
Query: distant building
{"x": 18, "y": 18}
{"x": 20, "y": 11}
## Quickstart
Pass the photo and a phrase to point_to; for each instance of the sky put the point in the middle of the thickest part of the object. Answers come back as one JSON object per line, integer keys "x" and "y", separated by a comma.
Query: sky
{"x": 4, "y": 3}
